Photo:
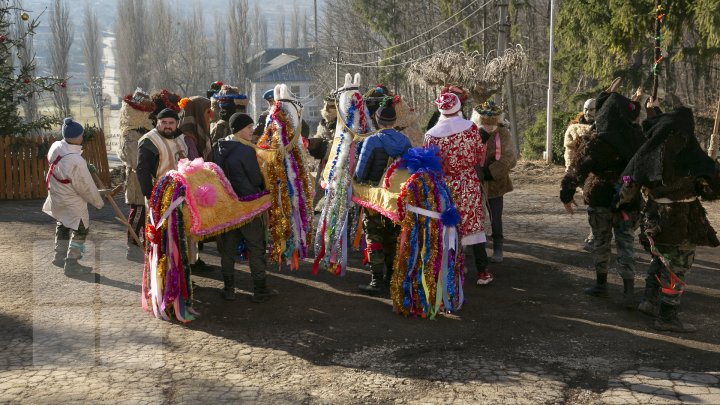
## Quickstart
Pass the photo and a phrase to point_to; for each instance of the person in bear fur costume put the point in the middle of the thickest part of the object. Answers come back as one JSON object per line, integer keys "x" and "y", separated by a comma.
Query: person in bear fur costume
{"x": 134, "y": 123}
{"x": 673, "y": 174}
{"x": 578, "y": 127}
{"x": 597, "y": 167}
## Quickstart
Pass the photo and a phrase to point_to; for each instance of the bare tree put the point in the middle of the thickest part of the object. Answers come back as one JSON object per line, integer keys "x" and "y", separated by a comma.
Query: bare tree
{"x": 191, "y": 73}
{"x": 92, "y": 50}
{"x": 259, "y": 30}
{"x": 59, "y": 49}
{"x": 240, "y": 39}
{"x": 304, "y": 34}
{"x": 220, "y": 48}
{"x": 131, "y": 39}
{"x": 295, "y": 28}
{"x": 263, "y": 34}
{"x": 160, "y": 54}
{"x": 281, "y": 32}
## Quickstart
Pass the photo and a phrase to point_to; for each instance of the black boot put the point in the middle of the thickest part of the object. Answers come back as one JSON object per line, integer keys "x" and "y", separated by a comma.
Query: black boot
{"x": 201, "y": 267}
{"x": 59, "y": 260}
{"x": 600, "y": 289}
{"x": 261, "y": 292}
{"x": 135, "y": 254}
{"x": 470, "y": 266}
{"x": 388, "y": 276}
{"x": 649, "y": 303}
{"x": 375, "y": 287}
{"x": 73, "y": 268}
{"x": 497, "y": 256}
{"x": 629, "y": 293}
{"x": 668, "y": 320}
{"x": 228, "y": 291}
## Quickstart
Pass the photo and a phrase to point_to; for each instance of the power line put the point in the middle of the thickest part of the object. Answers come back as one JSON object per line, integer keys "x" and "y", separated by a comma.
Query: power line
{"x": 422, "y": 57}
{"x": 426, "y": 32}
{"x": 429, "y": 40}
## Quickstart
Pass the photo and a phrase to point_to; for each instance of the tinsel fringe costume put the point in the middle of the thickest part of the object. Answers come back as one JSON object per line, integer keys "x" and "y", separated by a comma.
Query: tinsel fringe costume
{"x": 285, "y": 167}
{"x": 196, "y": 200}
{"x": 331, "y": 241}
{"x": 428, "y": 270}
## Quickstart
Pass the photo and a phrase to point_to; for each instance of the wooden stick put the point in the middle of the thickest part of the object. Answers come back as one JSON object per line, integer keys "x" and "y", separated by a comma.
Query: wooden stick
{"x": 117, "y": 210}
{"x": 715, "y": 137}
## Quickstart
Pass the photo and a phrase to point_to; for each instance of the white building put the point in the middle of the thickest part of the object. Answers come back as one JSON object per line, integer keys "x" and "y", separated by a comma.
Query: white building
{"x": 291, "y": 66}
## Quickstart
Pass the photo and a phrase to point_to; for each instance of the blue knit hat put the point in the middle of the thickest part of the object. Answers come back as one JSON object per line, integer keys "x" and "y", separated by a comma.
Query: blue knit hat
{"x": 71, "y": 129}
{"x": 269, "y": 95}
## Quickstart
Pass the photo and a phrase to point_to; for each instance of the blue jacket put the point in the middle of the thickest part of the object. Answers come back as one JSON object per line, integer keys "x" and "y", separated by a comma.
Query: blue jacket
{"x": 375, "y": 152}
{"x": 240, "y": 165}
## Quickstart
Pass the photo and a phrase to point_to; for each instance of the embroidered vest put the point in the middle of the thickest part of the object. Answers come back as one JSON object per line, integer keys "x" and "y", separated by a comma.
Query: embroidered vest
{"x": 170, "y": 151}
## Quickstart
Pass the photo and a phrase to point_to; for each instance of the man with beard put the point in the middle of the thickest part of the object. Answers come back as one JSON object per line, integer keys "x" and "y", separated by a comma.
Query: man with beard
{"x": 159, "y": 151}
{"x": 601, "y": 159}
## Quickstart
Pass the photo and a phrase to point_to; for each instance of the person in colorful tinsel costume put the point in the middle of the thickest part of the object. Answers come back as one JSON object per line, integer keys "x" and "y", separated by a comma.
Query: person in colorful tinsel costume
{"x": 380, "y": 232}
{"x": 194, "y": 202}
{"x": 428, "y": 272}
{"x": 673, "y": 173}
{"x": 134, "y": 123}
{"x": 331, "y": 238}
{"x": 285, "y": 166}
{"x": 462, "y": 150}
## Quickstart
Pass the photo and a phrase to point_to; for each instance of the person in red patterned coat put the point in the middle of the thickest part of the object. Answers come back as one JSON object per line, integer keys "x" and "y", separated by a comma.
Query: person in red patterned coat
{"x": 461, "y": 150}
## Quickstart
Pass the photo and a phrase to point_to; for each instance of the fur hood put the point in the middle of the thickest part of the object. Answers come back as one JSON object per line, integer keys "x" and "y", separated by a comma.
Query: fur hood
{"x": 672, "y": 150}
{"x": 615, "y": 123}
{"x": 329, "y": 115}
{"x": 131, "y": 118}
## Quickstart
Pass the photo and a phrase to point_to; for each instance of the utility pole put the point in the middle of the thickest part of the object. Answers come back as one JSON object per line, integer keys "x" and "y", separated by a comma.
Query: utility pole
{"x": 503, "y": 36}
{"x": 337, "y": 61}
{"x": 548, "y": 123}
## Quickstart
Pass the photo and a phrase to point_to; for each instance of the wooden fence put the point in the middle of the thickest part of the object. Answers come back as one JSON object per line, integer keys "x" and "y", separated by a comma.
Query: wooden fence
{"x": 24, "y": 164}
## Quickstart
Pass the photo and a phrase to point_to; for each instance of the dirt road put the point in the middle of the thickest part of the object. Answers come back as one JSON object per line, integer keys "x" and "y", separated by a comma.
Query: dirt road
{"x": 529, "y": 337}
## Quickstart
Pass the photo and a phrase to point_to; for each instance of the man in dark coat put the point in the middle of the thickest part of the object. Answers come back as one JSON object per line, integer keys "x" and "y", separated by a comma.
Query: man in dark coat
{"x": 239, "y": 162}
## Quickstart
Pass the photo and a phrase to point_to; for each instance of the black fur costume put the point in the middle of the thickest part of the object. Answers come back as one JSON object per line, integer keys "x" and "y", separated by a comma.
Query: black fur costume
{"x": 671, "y": 166}
{"x": 603, "y": 155}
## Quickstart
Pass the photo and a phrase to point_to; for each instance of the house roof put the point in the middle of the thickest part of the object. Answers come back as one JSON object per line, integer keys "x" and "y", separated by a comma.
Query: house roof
{"x": 283, "y": 64}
